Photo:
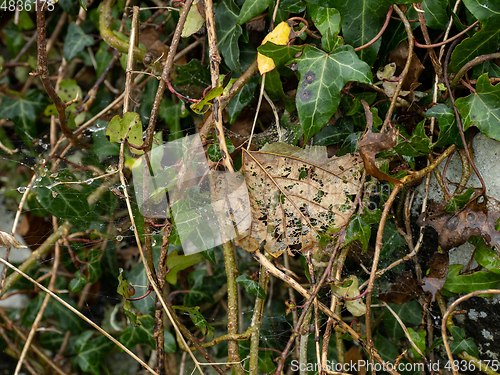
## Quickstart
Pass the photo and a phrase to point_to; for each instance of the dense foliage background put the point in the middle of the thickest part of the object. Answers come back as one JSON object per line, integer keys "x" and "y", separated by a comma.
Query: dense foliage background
{"x": 403, "y": 94}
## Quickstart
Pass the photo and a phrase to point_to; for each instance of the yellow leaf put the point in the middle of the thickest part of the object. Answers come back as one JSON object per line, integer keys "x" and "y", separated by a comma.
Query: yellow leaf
{"x": 278, "y": 36}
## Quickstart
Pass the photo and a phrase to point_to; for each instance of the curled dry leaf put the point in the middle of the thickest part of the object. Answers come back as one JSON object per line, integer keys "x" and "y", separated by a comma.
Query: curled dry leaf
{"x": 7, "y": 240}
{"x": 438, "y": 270}
{"x": 404, "y": 289}
{"x": 296, "y": 195}
{"x": 475, "y": 219}
{"x": 370, "y": 144}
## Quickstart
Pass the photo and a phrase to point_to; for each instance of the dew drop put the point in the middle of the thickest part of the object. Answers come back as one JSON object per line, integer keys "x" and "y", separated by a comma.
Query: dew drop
{"x": 53, "y": 175}
{"x": 38, "y": 179}
{"x": 119, "y": 229}
{"x": 119, "y": 238}
{"x": 54, "y": 194}
{"x": 153, "y": 243}
{"x": 89, "y": 181}
{"x": 42, "y": 161}
{"x": 132, "y": 227}
{"x": 21, "y": 189}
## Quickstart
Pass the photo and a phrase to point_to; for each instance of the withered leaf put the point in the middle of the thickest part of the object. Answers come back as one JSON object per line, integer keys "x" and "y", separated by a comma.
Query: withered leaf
{"x": 370, "y": 144}
{"x": 7, "y": 240}
{"x": 438, "y": 270}
{"x": 404, "y": 289}
{"x": 475, "y": 219}
{"x": 296, "y": 195}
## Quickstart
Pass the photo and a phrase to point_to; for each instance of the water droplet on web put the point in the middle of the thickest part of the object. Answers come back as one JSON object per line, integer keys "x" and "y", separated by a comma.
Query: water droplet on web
{"x": 38, "y": 179}
{"x": 54, "y": 194}
{"x": 89, "y": 181}
{"x": 21, "y": 189}
{"x": 153, "y": 243}
{"x": 119, "y": 238}
{"x": 132, "y": 227}
{"x": 53, "y": 175}
{"x": 44, "y": 146}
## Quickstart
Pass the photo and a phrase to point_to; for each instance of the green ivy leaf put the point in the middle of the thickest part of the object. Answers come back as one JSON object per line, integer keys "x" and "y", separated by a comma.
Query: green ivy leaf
{"x": 176, "y": 263}
{"x": 448, "y": 129}
{"x": 75, "y": 42}
{"x": 228, "y": 32}
{"x": 435, "y": 14}
{"x": 63, "y": 201}
{"x": 470, "y": 283}
{"x": 391, "y": 240}
{"x": 95, "y": 271}
{"x": 459, "y": 201}
{"x": 419, "y": 144}
{"x": 31, "y": 311}
{"x": 23, "y": 113}
{"x": 273, "y": 85}
{"x": 419, "y": 340}
{"x": 326, "y": 20}
{"x": 322, "y": 78}
{"x": 122, "y": 290}
{"x": 349, "y": 289}
{"x": 141, "y": 334}
{"x": 193, "y": 73}
{"x": 459, "y": 343}
{"x": 250, "y": 9}
{"x": 481, "y": 43}
{"x": 361, "y": 21}
{"x": 251, "y": 286}
{"x": 76, "y": 285}
{"x": 198, "y": 319}
{"x": 486, "y": 257}
{"x": 128, "y": 128}
{"x": 358, "y": 230}
{"x": 336, "y": 133}
{"x": 91, "y": 353}
{"x": 280, "y": 54}
{"x": 214, "y": 150}
{"x": 204, "y": 104}
{"x": 67, "y": 319}
{"x": 481, "y": 108}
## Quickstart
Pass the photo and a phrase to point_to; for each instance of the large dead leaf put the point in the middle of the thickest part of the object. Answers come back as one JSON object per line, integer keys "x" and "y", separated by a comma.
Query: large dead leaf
{"x": 475, "y": 219}
{"x": 297, "y": 194}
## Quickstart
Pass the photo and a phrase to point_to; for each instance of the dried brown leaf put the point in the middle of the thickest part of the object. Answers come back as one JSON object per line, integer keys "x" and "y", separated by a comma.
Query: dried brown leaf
{"x": 404, "y": 289}
{"x": 7, "y": 240}
{"x": 475, "y": 219}
{"x": 297, "y": 194}
{"x": 438, "y": 270}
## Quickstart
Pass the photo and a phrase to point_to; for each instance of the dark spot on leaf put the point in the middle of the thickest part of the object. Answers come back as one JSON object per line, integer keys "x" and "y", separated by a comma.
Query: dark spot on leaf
{"x": 310, "y": 77}
{"x": 305, "y": 95}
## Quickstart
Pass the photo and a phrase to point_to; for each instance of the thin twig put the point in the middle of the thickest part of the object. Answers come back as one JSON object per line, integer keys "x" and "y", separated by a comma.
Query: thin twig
{"x": 459, "y": 120}
{"x": 405, "y": 70}
{"x": 478, "y": 60}
{"x": 417, "y": 44}
{"x": 384, "y": 27}
{"x": 165, "y": 76}
{"x": 79, "y": 314}
{"x": 294, "y": 284}
{"x": 43, "y": 73}
{"x": 215, "y": 60}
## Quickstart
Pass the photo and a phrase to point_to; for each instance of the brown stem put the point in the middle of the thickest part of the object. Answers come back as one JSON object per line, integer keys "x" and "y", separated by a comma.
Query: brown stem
{"x": 478, "y": 60}
{"x": 423, "y": 26}
{"x": 215, "y": 59}
{"x": 417, "y": 44}
{"x": 376, "y": 257}
{"x": 406, "y": 68}
{"x": 459, "y": 120}
{"x": 165, "y": 76}
{"x": 305, "y": 308}
{"x": 343, "y": 325}
{"x": 386, "y": 23}
{"x": 43, "y": 73}
{"x": 158, "y": 330}
{"x": 207, "y": 127}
